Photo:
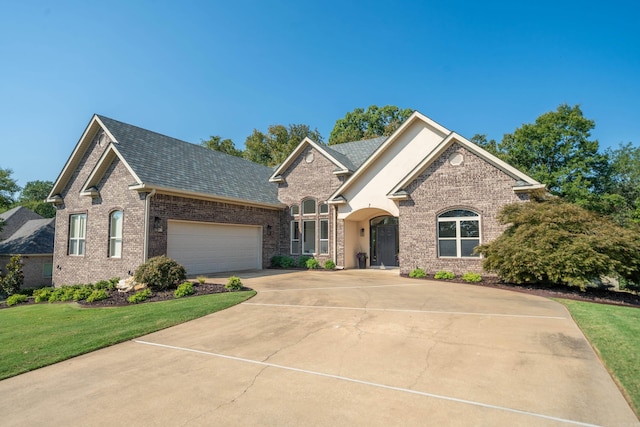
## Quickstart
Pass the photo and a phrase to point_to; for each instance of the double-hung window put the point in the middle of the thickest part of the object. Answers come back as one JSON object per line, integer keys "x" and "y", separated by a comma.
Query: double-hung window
{"x": 458, "y": 233}
{"x": 115, "y": 234}
{"x": 295, "y": 237}
{"x": 324, "y": 236}
{"x": 77, "y": 233}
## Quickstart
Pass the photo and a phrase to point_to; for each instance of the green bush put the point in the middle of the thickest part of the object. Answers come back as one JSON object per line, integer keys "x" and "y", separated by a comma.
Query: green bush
{"x": 67, "y": 293}
{"x": 42, "y": 294}
{"x": 201, "y": 280}
{"x": 82, "y": 292}
{"x": 101, "y": 284}
{"x": 234, "y": 284}
{"x": 329, "y": 265}
{"x": 97, "y": 295}
{"x": 281, "y": 261}
{"x": 160, "y": 273}
{"x": 16, "y": 299}
{"x": 312, "y": 264}
{"x": 549, "y": 241}
{"x": 471, "y": 277}
{"x": 184, "y": 290}
{"x": 140, "y": 296}
{"x": 417, "y": 273}
{"x": 302, "y": 261}
{"x": 56, "y": 295}
{"x": 442, "y": 274}
{"x": 113, "y": 282}
{"x": 14, "y": 278}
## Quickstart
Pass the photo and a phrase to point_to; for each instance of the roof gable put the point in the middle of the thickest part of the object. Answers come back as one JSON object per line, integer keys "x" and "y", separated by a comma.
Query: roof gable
{"x": 167, "y": 164}
{"x": 525, "y": 182}
{"x": 335, "y": 158}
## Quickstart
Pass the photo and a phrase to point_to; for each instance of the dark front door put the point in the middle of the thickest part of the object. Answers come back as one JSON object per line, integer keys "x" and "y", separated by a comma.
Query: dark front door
{"x": 386, "y": 244}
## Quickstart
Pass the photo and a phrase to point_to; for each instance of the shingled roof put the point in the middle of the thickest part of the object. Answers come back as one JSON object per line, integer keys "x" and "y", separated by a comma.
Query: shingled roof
{"x": 36, "y": 236}
{"x": 162, "y": 161}
{"x": 355, "y": 152}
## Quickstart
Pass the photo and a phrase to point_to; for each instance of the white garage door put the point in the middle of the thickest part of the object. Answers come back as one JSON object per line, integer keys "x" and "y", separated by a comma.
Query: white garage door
{"x": 210, "y": 248}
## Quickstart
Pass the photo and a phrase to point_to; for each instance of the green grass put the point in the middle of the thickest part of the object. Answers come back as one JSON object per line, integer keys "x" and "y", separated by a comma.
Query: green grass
{"x": 615, "y": 333}
{"x": 37, "y": 335}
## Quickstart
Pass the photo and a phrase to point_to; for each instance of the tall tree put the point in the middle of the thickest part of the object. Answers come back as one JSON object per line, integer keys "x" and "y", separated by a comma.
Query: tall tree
{"x": 8, "y": 187}
{"x": 488, "y": 144}
{"x": 622, "y": 184}
{"x": 557, "y": 151}
{"x": 370, "y": 123}
{"x": 33, "y": 196}
{"x": 215, "y": 142}
{"x": 273, "y": 147}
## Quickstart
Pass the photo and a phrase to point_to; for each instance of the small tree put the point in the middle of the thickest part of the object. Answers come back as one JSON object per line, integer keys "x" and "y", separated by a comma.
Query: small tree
{"x": 550, "y": 241}
{"x": 14, "y": 278}
{"x": 160, "y": 273}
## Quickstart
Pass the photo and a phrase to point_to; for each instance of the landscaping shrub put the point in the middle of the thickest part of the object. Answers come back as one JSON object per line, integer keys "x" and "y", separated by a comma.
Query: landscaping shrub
{"x": 139, "y": 296}
{"x": 82, "y": 292}
{"x": 281, "y": 261}
{"x": 201, "y": 280}
{"x": 471, "y": 277}
{"x": 160, "y": 273}
{"x": 97, "y": 295}
{"x": 446, "y": 275}
{"x": 233, "y": 284}
{"x": 329, "y": 265}
{"x": 113, "y": 283}
{"x": 549, "y": 241}
{"x": 302, "y": 261}
{"x": 102, "y": 284}
{"x": 417, "y": 273}
{"x": 14, "y": 277}
{"x": 16, "y": 299}
{"x": 184, "y": 290}
{"x": 67, "y": 293}
{"x": 56, "y": 295}
{"x": 312, "y": 264}
{"x": 42, "y": 294}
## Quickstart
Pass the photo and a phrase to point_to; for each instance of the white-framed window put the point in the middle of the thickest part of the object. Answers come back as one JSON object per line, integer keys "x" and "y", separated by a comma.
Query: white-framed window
{"x": 324, "y": 236}
{"x": 295, "y": 238}
{"x": 47, "y": 270}
{"x": 324, "y": 208}
{"x": 458, "y": 233}
{"x": 115, "y": 234}
{"x": 308, "y": 207}
{"x": 295, "y": 210}
{"x": 77, "y": 234}
{"x": 309, "y": 236}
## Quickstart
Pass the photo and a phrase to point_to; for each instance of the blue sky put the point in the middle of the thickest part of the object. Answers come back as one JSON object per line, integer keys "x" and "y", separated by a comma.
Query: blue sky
{"x": 192, "y": 69}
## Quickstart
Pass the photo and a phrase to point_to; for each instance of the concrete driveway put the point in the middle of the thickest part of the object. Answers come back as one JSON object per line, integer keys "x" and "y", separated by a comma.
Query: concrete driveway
{"x": 348, "y": 348}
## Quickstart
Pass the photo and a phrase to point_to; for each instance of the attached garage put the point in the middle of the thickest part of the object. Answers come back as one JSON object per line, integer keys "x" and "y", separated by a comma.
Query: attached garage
{"x": 203, "y": 247}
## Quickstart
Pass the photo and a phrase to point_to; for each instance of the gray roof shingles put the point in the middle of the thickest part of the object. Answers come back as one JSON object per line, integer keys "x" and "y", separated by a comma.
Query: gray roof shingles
{"x": 159, "y": 160}
{"x": 34, "y": 237}
{"x": 357, "y": 152}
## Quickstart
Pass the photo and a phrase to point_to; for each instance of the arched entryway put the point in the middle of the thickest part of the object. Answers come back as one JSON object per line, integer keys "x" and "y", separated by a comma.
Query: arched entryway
{"x": 384, "y": 241}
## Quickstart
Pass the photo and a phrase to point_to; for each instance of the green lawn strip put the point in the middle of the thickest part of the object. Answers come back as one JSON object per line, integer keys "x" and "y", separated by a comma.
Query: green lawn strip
{"x": 34, "y": 336}
{"x": 614, "y": 331}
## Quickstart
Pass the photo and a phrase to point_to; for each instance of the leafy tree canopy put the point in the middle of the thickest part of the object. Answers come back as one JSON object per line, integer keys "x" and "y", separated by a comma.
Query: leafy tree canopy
{"x": 33, "y": 197}
{"x": 549, "y": 240}
{"x": 273, "y": 147}
{"x": 8, "y": 187}
{"x": 370, "y": 123}
{"x": 215, "y": 142}
{"x": 557, "y": 151}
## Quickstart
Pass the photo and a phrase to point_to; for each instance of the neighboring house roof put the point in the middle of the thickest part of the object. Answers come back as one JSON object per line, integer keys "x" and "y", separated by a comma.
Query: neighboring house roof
{"x": 35, "y": 237}
{"x": 160, "y": 162}
{"x": 14, "y": 218}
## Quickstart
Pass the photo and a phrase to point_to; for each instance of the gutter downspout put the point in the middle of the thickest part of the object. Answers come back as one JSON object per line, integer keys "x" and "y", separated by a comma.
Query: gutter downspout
{"x": 147, "y": 208}
{"x": 335, "y": 234}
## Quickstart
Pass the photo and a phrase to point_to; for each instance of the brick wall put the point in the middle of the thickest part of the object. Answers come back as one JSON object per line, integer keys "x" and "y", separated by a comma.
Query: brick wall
{"x": 32, "y": 268}
{"x": 95, "y": 264}
{"x": 475, "y": 185}
{"x": 304, "y": 180}
{"x": 167, "y": 207}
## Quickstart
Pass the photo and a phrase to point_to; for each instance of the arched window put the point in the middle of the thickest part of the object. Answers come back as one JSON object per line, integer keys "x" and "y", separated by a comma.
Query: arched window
{"x": 308, "y": 207}
{"x": 115, "y": 234}
{"x": 458, "y": 233}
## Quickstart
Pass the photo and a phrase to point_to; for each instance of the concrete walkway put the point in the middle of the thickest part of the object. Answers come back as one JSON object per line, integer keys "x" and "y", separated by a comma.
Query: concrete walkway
{"x": 364, "y": 348}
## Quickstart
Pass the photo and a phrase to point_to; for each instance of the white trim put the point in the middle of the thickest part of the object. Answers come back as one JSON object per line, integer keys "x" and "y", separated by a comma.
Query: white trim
{"x": 297, "y": 151}
{"x": 106, "y": 159}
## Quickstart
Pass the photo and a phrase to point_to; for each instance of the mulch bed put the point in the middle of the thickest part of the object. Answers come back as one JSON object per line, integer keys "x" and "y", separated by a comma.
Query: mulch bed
{"x": 597, "y": 295}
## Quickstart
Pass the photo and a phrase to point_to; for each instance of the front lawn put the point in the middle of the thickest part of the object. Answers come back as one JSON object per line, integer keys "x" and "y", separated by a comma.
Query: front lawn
{"x": 615, "y": 333}
{"x": 37, "y": 335}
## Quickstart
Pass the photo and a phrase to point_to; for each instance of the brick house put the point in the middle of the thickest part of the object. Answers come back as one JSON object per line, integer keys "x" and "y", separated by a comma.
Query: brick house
{"x": 31, "y": 236}
{"x": 422, "y": 197}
